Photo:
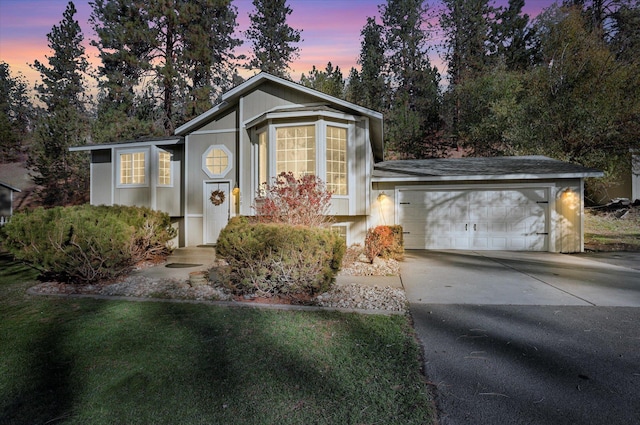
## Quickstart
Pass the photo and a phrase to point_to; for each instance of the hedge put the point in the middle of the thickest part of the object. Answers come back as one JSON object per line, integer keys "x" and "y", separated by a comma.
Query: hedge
{"x": 279, "y": 259}
{"x": 87, "y": 243}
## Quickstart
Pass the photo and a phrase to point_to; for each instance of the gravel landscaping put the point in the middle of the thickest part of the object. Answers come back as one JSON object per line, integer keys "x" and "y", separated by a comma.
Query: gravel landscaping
{"x": 343, "y": 296}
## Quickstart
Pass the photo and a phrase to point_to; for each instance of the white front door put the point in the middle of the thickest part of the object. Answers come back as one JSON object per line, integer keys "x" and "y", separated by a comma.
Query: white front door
{"x": 216, "y": 212}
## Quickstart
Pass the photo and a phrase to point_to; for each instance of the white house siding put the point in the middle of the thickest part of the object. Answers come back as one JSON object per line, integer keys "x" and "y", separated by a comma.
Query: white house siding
{"x": 197, "y": 144}
{"x": 102, "y": 179}
{"x": 270, "y": 96}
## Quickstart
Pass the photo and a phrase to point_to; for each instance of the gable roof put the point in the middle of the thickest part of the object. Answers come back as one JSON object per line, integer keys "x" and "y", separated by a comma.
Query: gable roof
{"x": 229, "y": 98}
{"x": 496, "y": 168}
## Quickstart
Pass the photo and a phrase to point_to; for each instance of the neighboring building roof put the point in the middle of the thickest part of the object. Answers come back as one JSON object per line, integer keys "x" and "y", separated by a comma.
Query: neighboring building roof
{"x": 496, "y": 168}
{"x": 143, "y": 141}
{"x": 14, "y": 189}
{"x": 229, "y": 98}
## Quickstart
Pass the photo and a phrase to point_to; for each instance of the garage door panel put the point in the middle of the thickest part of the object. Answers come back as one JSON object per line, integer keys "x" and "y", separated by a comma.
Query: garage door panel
{"x": 496, "y": 219}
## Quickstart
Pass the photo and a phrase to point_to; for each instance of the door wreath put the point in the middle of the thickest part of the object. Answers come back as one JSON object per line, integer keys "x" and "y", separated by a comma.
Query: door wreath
{"x": 217, "y": 197}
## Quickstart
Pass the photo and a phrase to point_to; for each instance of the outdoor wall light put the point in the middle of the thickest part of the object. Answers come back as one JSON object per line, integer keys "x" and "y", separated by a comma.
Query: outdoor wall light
{"x": 381, "y": 196}
{"x": 236, "y": 191}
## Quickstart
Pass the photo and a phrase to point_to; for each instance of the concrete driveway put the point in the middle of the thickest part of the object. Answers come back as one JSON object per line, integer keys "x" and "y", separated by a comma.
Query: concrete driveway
{"x": 527, "y": 338}
{"x": 518, "y": 278}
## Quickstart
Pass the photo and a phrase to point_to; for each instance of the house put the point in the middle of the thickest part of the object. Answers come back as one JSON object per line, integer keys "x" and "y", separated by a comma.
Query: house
{"x": 212, "y": 168}
{"x": 6, "y": 201}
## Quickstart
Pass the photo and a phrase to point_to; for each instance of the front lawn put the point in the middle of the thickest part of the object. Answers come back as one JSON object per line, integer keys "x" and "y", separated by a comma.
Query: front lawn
{"x": 79, "y": 361}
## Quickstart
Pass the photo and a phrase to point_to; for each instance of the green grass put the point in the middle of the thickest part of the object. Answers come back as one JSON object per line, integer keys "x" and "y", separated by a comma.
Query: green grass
{"x": 80, "y": 361}
{"x": 606, "y": 232}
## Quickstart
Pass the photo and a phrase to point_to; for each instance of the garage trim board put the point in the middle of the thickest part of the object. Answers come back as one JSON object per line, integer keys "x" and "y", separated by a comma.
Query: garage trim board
{"x": 489, "y": 217}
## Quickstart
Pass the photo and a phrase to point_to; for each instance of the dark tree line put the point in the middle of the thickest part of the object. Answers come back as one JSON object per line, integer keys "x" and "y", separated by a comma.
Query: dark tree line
{"x": 566, "y": 84}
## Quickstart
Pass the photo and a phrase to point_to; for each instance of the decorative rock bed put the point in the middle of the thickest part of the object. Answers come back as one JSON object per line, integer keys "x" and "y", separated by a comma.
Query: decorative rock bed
{"x": 199, "y": 287}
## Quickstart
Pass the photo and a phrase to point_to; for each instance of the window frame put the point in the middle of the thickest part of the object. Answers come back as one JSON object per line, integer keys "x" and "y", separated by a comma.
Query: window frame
{"x": 161, "y": 151}
{"x": 272, "y": 148}
{"x": 320, "y": 126}
{"x": 229, "y": 161}
{"x": 132, "y": 152}
{"x": 346, "y": 128}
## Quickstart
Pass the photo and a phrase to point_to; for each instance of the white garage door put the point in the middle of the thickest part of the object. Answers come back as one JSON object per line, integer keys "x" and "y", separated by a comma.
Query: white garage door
{"x": 497, "y": 219}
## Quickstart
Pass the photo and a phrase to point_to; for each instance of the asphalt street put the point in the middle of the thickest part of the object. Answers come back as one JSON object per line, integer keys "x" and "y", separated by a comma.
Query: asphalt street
{"x": 557, "y": 343}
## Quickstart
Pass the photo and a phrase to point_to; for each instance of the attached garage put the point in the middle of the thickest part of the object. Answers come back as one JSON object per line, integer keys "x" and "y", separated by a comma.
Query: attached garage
{"x": 508, "y": 203}
{"x": 479, "y": 219}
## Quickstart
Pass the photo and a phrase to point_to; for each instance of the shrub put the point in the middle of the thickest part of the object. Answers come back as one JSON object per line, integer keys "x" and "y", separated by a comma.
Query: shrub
{"x": 384, "y": 241}
{"x": 87, "y": 243}
{"x": 298, "y": 202}
{"x": 277, "y": 259}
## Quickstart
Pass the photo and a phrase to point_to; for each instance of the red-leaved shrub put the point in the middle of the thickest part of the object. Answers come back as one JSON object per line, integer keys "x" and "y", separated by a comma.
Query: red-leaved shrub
{"x": 303, "y": 201}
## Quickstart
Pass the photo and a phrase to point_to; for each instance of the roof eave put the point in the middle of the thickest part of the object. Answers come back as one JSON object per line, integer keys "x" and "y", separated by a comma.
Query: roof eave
{"x": 13, "y": 189}
{"x": 134, "y": 144}
{"x": 413, "y": 178}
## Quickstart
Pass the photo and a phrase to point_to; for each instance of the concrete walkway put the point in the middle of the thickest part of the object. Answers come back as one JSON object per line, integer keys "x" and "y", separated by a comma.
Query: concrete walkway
{"x": 181, "y": 262}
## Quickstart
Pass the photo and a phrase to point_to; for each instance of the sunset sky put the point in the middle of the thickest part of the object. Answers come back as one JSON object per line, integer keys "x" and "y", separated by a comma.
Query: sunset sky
{"x": 330, "y": 30}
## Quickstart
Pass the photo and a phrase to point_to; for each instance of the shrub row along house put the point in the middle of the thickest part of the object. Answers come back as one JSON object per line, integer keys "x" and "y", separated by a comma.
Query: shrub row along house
{"x": 213, "y": 167}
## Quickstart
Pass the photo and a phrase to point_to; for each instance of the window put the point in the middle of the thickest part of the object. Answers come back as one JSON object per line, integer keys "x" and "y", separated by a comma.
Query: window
{"x": 296, "y": 150}
{"x": 337, "y": 160}
{"x": 132, "y": 168}
{"x": 164, "y": 168}
{"x": 216, "y": 161}
{"x": 262, "y": 158}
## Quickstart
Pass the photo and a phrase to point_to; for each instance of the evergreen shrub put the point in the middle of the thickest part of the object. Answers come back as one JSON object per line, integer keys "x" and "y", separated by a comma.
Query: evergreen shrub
{"x": 87, "y": 243}
{"x": 279, "y": 259}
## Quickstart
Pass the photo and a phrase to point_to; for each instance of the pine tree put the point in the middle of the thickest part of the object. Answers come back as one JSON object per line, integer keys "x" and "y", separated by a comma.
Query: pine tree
{"x": 61, "y": 175}
{"x": 626, "y": 41}
{"x": 372, "y": 63}
{"x": 185, "y": 46}
{"x": 329, "y": 81}
{"x": 207, "y": 54}
{"x": 125, "y": 42}
{"x": 412, "y": 110}
{"x": 511, "y": 36}
{"x": 272, "y": 38}
{"x": 354, "y": 90}
{"x": 15, "y": 114}
{"x": 466, "y": 24}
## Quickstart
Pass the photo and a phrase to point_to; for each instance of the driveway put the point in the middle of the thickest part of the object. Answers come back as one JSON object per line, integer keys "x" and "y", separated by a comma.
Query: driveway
{"x": 527, "y": 338}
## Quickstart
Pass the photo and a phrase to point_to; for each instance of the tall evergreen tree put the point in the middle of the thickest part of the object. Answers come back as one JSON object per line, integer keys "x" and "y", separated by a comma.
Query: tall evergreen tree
{"x": 207, "y": 55}
{"x": 372, "y": 63}
{"x": 466, "y": 26}
{"x": 626, "y": 40}
{"x": 15, "y": 113}
{"x": 186, "y": 47}
{"x": 125, "y": 42}
{"x": 329, "y": 81}
{"x": 61, "y": 175}
{"x": 354, "y": 89}
{"x": 413, "y": 107}
{"x": 272, "y": 38}
{"x": 511, "y": 36}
